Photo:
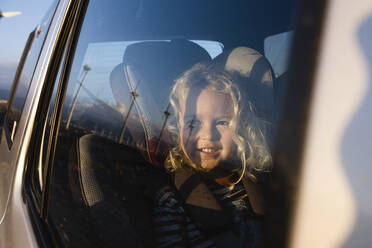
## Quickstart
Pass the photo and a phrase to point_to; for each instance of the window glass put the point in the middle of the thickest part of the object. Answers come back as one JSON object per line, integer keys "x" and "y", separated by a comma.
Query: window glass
{"x": 25, "y": 73}
{"x": 3, "y": 105}
{"x": 166, "y": 130}
{"x": 213, "y": 48}
{"x": 277, "y": 48}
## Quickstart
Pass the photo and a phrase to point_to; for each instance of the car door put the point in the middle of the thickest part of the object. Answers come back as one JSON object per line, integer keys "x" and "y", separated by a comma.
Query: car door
{"x": 94, "y": 135}
{"x": 70, "y": 121}
{"x": 19, "y": 119}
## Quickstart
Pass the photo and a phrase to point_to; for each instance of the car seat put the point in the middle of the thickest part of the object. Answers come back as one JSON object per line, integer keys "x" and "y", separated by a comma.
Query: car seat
{"x": 110, "y": 178}
{"x": 148, "y": 71}
{"x": 256, "y": 77}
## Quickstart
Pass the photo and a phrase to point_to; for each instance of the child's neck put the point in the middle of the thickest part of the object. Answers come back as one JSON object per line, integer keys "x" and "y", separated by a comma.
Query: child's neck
{"x": 220, "y": 176}
{"x": 224, "y": 181}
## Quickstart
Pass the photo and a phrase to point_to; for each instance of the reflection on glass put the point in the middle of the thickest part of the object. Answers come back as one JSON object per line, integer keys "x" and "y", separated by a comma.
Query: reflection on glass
{"x": 277, "y": 48}
{"x": 175, "y": 109}
{"x": 134, "y": 95}
{"x": 86, "y": 70}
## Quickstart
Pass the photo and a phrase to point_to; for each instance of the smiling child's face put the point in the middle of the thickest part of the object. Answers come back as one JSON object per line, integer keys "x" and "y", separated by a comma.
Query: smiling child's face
{"x": 205, "y": 130}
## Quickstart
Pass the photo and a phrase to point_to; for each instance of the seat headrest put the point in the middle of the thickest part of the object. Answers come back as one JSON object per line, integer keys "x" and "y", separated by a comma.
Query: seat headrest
{"x": 149, "y": 68}
{"x": 164, "y": 59}
{"x": 159, "y": 63}
{"x": 256, "y": 74}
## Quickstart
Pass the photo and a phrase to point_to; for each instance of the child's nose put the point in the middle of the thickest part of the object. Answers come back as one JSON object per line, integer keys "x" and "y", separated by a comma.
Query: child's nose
{"x": 208, "y": 132}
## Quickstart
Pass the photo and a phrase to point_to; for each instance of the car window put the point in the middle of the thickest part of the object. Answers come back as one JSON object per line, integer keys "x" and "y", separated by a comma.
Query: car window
{"x": 277, "y": 48}
{"x": 24, "y": 74}
{"x": 166, "y": 129}
{"x": 16, "y": 100}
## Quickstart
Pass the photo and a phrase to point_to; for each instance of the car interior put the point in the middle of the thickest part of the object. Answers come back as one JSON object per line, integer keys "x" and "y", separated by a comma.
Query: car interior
{"x": 109, "y": 161}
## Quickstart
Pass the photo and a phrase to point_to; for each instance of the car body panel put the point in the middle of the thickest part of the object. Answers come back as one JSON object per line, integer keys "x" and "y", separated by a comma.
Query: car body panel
{"x": 16, "y": 229}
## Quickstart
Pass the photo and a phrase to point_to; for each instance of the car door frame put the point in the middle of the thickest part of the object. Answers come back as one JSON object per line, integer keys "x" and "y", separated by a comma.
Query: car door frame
{"x": 16, "y": 218}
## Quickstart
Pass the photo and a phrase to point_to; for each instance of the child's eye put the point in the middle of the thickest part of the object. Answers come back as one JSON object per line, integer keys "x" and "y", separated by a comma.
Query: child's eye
{"x": 223, "y": 123}
{"x": 193, "y": 123}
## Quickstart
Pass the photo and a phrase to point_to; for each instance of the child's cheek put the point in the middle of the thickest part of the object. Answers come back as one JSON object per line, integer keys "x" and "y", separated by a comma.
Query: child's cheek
{"x": 186, "y": 142}
{"x": 228, "y": 143}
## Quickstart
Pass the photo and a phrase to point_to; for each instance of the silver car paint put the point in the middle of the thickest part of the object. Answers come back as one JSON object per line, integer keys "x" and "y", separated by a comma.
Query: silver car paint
{"x": 15, "y": 225}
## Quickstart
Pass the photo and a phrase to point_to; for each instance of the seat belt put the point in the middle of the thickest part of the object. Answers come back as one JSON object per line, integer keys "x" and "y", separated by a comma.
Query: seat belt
{"x": 255, "y": 195}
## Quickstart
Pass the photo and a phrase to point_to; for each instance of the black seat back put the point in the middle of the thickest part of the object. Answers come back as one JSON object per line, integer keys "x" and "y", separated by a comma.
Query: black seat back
{"x": 149, "y": 69}
{"x": 114, "y": 179}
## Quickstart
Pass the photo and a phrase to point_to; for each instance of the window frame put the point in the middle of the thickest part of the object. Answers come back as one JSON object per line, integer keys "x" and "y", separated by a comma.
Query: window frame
{"x": 63, "y": 49}
{"x": 293, "y": 121}
{"x": 294, "y": 115}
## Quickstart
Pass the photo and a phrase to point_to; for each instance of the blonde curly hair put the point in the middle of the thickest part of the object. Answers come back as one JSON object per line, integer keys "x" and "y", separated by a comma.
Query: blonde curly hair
{"x": 250, "y": 134}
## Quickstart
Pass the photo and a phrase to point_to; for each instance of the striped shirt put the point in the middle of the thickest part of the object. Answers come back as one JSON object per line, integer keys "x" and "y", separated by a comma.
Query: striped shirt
{"x": 174, "y": 228}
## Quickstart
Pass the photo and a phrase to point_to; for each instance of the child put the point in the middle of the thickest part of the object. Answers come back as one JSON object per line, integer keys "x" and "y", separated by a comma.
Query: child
{"x": 221, "y": 146}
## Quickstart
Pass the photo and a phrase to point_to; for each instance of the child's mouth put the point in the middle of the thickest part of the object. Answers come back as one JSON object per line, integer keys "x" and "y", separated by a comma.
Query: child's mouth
{"x": 209, "y": 151}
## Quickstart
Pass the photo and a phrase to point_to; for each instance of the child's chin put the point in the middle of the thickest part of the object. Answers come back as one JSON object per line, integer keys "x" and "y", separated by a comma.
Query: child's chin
{"x": 208, "y": 166}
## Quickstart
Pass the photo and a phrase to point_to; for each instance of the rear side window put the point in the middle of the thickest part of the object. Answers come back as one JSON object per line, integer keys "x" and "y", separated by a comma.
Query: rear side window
{"x": 16, "y": 103}
{"x": 167, "y": 127}
{"x": 24, "y": 75}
